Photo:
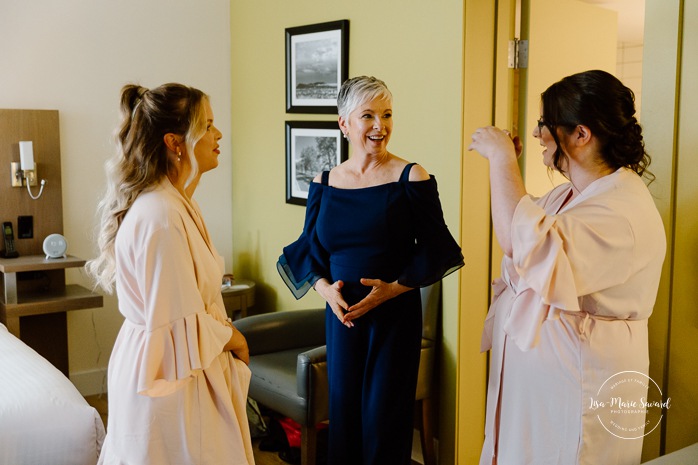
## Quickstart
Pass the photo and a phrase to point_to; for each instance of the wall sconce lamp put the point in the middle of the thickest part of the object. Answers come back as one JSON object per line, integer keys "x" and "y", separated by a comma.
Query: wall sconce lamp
{"x": 25, "y": 171}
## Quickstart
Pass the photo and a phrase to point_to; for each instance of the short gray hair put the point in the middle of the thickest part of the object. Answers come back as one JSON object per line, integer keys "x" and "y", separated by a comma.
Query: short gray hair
{"x": 358, "y": 90}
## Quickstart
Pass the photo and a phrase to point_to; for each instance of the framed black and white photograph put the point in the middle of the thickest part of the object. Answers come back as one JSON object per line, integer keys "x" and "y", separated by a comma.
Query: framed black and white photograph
{"x": 317, "y": 58}
{"x": 311, "y": 148}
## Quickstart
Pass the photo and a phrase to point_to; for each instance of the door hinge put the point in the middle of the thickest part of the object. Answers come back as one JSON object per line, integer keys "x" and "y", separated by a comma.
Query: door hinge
{"x": 518, "y": 54}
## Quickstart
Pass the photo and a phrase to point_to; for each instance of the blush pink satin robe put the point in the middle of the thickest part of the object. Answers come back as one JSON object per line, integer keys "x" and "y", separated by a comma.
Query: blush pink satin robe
{"x": 175, "y": 396}
{"x": 570, "y": 311}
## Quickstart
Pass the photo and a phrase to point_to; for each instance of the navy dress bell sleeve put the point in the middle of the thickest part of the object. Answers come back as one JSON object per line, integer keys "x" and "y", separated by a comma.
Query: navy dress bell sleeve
{"x": 436, "y": 253}
{"x": 305, "y": 261}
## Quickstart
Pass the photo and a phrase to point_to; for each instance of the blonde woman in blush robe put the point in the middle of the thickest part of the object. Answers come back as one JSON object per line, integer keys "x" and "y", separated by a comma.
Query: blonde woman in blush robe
{"x": 580, "y": 275}
{"x": 178, "y": 377}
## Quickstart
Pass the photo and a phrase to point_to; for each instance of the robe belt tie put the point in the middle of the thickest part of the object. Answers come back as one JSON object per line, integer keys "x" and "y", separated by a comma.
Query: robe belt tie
{"x": 584, "y": 325}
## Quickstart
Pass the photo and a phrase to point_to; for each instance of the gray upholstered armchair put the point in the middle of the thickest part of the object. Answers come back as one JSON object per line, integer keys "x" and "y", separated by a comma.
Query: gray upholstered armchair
{"x": 289, "y": 368}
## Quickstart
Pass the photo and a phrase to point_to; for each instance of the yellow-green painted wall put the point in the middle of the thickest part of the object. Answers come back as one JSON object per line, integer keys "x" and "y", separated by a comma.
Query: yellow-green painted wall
{"x": 670, "y": 122}
{"x": 416, "y": 48}
{"x": 682, "y": 424}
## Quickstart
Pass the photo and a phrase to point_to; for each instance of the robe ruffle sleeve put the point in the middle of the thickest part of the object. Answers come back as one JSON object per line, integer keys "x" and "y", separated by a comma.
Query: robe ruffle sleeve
{"x": 305, "y": 261}
{"x": 173, "y": 353}
{"x": 436, "y": 253}
{"x": 178, "y": 334}
{"x": 556, "y": 259}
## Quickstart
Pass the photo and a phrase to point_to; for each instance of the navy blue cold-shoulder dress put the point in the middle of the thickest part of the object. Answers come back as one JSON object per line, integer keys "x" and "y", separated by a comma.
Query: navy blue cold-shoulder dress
{"x": 393, "y": 231}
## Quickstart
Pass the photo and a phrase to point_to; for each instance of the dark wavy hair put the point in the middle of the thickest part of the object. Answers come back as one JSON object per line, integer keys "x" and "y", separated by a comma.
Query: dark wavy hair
{"x": 601, "y": 102}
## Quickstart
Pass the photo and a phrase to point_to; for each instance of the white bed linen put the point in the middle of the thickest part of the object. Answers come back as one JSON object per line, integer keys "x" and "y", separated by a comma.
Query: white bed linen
{"x": 43, "y": 418}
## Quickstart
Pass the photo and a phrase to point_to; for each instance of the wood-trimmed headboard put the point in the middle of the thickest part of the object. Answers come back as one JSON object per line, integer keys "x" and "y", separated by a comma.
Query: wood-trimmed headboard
{"x": 40, "y": 127}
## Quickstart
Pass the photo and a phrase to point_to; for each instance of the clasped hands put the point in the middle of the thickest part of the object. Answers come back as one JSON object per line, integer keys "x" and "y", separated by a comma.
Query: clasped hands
{"x": 380, "y": 292}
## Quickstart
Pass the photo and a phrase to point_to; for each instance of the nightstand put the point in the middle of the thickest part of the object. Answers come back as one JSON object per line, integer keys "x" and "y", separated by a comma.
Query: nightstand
{"x": 35, "y": 300}
{"x": 238, "y": 297}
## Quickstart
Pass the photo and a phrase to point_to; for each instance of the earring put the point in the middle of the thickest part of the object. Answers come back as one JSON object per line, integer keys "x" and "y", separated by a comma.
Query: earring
{"x": 179, "y": 156}
{"x": 346, "y": 135}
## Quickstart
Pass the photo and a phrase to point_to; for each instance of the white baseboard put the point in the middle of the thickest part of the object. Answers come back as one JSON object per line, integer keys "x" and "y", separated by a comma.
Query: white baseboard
{"x": 90, "y": 382}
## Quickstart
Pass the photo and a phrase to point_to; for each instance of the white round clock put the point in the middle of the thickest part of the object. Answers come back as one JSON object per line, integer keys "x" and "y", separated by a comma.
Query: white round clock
{"x": 55, "y": 246}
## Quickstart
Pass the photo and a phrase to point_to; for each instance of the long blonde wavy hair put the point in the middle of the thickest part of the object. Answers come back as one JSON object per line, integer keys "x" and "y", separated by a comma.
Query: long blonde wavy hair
{"x": 141, "y": 159}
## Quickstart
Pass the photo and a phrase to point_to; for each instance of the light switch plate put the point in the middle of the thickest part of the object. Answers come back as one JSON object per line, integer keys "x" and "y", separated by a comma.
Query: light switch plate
{"x": 25, "y": 227}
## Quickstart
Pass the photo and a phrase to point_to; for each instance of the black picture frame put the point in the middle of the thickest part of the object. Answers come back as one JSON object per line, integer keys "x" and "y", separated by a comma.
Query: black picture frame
{"x": 311, "y": 148}
{"x": 317, "y": 63}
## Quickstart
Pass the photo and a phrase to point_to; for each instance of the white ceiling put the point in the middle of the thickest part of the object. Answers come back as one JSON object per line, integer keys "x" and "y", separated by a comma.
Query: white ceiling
{"x": 631, "y": 18}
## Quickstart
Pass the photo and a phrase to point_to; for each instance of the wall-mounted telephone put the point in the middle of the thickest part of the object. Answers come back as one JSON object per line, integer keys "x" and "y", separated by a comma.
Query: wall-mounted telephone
{"x": 9, "y": 240}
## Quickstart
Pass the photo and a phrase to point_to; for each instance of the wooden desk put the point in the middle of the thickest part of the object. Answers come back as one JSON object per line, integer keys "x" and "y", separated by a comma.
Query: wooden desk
{"x": 238, "y": 297}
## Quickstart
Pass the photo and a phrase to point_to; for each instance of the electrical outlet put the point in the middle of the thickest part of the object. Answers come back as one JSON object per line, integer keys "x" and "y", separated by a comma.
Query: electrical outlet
{"x": 25, "y": 227}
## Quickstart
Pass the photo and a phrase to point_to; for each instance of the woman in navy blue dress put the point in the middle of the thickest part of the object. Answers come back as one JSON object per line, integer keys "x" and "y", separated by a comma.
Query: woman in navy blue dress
{"x": 374, "y": 234}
